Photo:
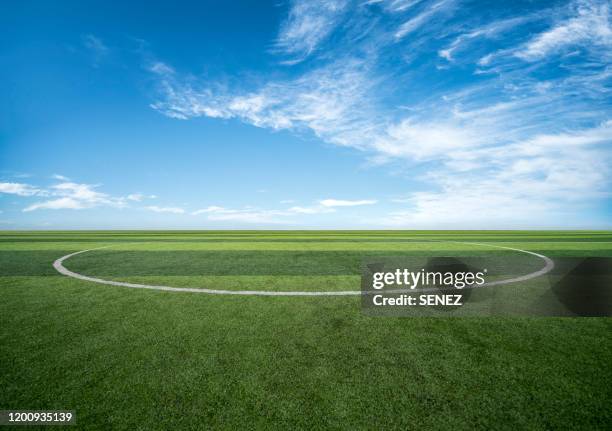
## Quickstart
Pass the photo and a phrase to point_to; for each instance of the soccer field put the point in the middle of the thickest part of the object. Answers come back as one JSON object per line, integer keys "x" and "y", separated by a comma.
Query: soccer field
{"x": 149, "y": 359}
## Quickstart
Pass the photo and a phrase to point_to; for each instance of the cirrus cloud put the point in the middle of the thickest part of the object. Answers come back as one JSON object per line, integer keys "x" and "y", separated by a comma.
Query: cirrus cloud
{"x": 385, "y": 84}
{"x": 20, "y": 189}
{"x": 346, "y": 203}
{"x": 171, "y": 210}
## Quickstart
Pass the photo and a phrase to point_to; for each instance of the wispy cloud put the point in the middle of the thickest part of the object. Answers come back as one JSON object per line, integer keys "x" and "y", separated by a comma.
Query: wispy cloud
{"x": 307, "y": 25}
{"x": 172, "y": 210}
{"x": 98, "y": 49}
{"x": 523, "y": 182}
{"x": 138, "y": 197}
{"x": 346, "y": 203}
{"x": 207, "y": 210}
{"x": 489, "y": 30}
{"x": 589, "y": 26}
{"x": 67, "y": 195}
{"x": 330, "y": 101}
{"x": 20, "y": 189}
{"x": 319, "y": 209}
{"x": 59, "y": 204}
{"x": 245, "y": 215}
{"x": 422, "y": 18}
{"x": 396, "y": 5}
{"x": 504, "y": 132}
{"x": 70, "y": 195}
{"x": 84, "y": 192}
{"x": 258, "y": 215}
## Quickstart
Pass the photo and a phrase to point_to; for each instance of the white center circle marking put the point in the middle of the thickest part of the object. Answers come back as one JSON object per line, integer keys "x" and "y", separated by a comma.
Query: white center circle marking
{"x": 58, "y": 265}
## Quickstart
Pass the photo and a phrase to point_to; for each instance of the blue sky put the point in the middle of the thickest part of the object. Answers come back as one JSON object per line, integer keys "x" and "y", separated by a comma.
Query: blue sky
{"x": 306, "y": 114}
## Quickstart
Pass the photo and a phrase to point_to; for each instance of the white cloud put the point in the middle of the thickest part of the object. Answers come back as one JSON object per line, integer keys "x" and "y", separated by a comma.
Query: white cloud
{"x": 245, "y": 215}
{"x": 58, "y": 204}
{"x": 71, "y": 195}
{"x": 210, "y": 209}
{"x": 68, "y": 195}
{"x": 309, "y": 23}
{"x": 82, "y": 192}
{"x": 98, "y": 49}
{"x": 161, "y": 68}
{"x": 466, "y": 133}
{"x": 412, "y": 139}
{"x": 590, "y": 26}
{"x": 346, "y": 203}
{"x": 138, "y": 197}
{"x": 257, "y": 215}
{"x": 19, "y": 189}
{"x": 172, "y": 210}
{"x": 60, "y": 177}
{"x": 330, "y": 101}
{"x": 310, "y": 210}
{"x": 486, "y": 31}
{"x": 486, "y": 59}
{"x": 509, "y": 133}
{"x": 525, "y": 182}
{"x": 401, "y": 200}
{"x": 421, "y": 19}
{"x": 397, "y": 5}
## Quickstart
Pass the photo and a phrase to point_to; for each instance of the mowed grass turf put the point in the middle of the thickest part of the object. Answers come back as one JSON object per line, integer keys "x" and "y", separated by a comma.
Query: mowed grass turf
{"x": 138, "y": 359}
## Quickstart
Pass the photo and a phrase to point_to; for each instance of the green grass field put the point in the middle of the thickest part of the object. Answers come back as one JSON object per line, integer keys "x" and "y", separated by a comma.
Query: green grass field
{"x": 142, "y": 359}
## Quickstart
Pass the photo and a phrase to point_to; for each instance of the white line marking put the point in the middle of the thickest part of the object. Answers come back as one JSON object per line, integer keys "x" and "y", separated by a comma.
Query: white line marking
{"x": 58, "y": 265}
